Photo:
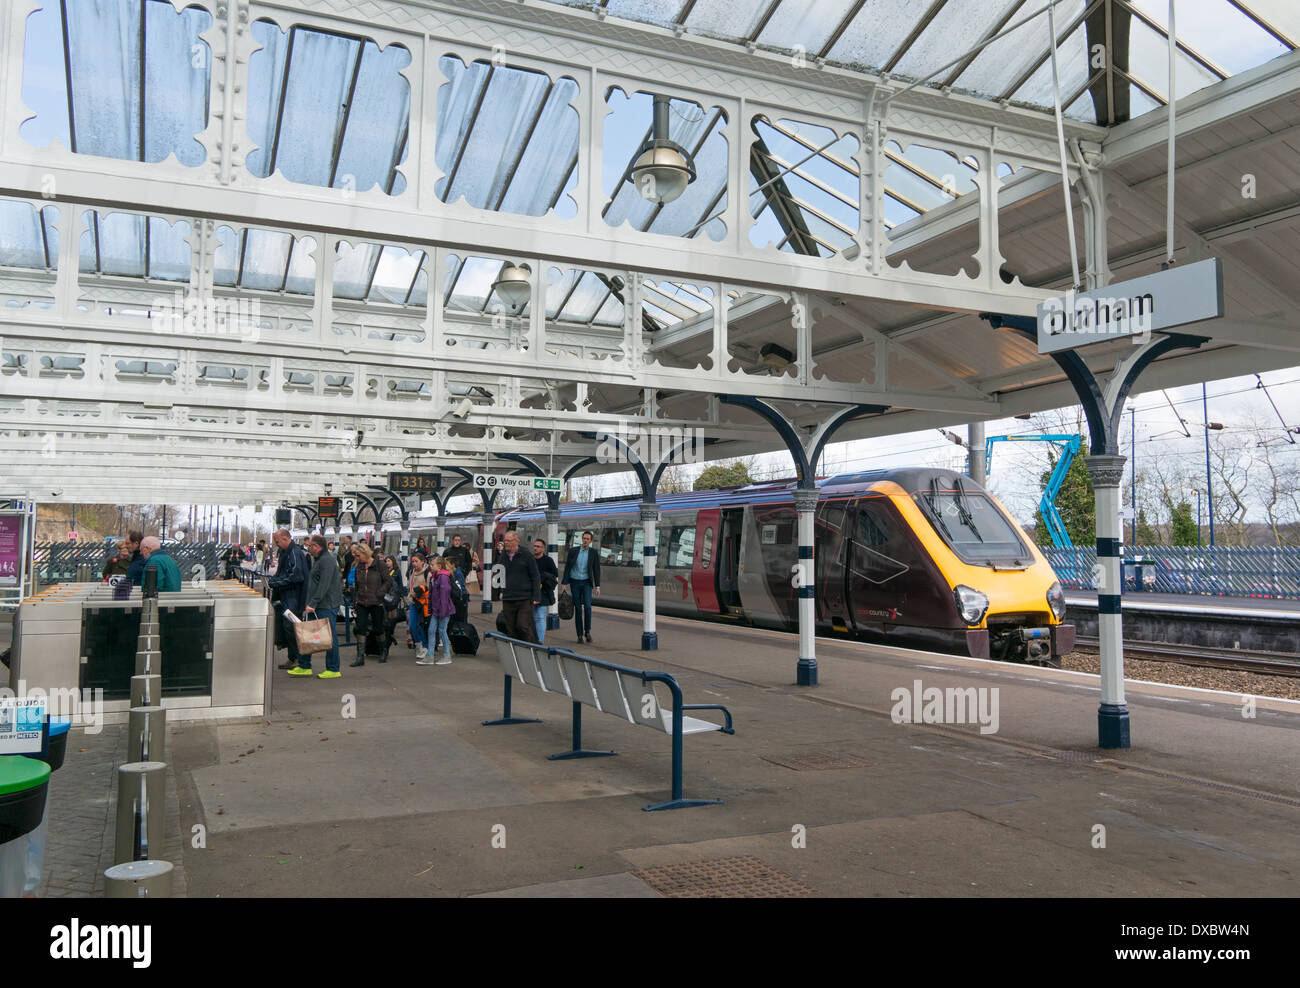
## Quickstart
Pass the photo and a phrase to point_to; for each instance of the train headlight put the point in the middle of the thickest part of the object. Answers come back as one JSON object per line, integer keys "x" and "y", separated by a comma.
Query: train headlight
{"x": 1056, "y": 600}
{"x": 971, "y": 604}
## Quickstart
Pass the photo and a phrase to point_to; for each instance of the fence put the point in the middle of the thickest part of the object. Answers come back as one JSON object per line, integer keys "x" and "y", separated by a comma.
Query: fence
{"x": 82, "y": 562}
{"x": 1224, "y": 571}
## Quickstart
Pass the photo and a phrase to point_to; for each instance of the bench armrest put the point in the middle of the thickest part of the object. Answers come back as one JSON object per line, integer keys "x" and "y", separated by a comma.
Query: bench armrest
{"x": 712, "y": 706}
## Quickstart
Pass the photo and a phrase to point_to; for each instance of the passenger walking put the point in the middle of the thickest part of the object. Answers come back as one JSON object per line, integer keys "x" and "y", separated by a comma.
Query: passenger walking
{"x": 522, "y": 591}
{"x": 441, "y": 609}
{"x": 289, "y": 590}
{"x": 582, "y": 572}
{"x": 371, "y": 584}
{"x": 549, "y": 575}
{"x": 133, "y": 571}
{"x": 324, "y": 598}
{"x": 417, "y": 615}
{"x": 460, "y": 593}
{"x": 394, "y": 600}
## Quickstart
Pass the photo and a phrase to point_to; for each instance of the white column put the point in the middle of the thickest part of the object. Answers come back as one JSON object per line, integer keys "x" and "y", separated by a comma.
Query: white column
{"x": 1112, "y": 716}
{"x": 976, "y": 466}
{"x": 489, "y": 524}
{"x": 805, "y": 502}
{"x": 650, "y": 523}
{"x": 553, "y": 549}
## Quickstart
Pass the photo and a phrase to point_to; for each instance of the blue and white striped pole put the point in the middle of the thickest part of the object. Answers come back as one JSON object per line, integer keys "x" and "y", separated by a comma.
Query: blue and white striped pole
{"x": 649, "y": 522}
{"x": 553, "y": 550}
{"x": 489, "y": 533}
{"x": 805, "y": 502}
{"x": 1107, "y": 472}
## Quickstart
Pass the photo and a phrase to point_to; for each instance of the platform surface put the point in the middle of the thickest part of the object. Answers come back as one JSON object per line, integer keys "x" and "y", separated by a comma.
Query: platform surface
{"x": 824, "y": 793}
{"x": 1188, "y": 602}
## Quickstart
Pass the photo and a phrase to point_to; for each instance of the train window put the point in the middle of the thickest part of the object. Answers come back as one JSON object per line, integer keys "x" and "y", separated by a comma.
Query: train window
{"x": 613, "y": 547}
{"x": 706, "y": 550}
{"x": 872, "y": 529}
{"x": 638, "y": 545}
{"x": 681, "y": 547}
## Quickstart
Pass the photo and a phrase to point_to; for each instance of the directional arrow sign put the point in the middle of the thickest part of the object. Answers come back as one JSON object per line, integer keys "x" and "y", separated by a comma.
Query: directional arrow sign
{"x": 509, "y": 482}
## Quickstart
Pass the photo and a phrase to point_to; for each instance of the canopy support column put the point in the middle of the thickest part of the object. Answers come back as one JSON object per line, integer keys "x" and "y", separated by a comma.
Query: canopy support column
{"x": 553, "y": 550}
{"x": 649, "y": 522}
{"x": 805, "y": 502}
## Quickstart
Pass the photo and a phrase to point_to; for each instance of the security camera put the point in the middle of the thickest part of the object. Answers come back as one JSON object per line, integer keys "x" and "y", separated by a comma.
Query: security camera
{"x": 463, "y": 409}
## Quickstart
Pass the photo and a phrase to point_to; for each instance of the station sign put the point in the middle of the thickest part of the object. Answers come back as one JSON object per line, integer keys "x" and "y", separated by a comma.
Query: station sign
{"x": 510, "y": 482}
{"x": 1178, "y": 296}
{"x": 414, "y": 483}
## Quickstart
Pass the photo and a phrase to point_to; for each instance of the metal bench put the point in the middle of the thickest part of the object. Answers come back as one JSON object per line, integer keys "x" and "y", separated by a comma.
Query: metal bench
{"x": 630, "y": 694}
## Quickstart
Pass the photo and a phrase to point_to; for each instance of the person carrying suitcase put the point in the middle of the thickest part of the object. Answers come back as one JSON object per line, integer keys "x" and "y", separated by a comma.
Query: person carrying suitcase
{"x": 372, "y": 583}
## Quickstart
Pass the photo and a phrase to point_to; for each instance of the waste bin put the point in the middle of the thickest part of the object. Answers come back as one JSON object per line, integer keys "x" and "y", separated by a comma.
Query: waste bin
{"x": 24, "y": 783}
{"x": 59, "y": 727}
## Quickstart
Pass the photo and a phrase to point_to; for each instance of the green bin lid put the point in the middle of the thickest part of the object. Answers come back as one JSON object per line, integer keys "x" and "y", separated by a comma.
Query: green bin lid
{"x": 19, "y": 773}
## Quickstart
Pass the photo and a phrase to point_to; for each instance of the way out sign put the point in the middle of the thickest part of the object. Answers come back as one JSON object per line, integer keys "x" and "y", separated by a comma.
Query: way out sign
{"x": 508, "y": 482}
{"x": 1175, "y": 297}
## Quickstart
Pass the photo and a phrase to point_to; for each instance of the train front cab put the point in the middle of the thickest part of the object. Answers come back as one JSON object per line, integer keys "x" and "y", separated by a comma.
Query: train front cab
{"x": 991, "y": 572}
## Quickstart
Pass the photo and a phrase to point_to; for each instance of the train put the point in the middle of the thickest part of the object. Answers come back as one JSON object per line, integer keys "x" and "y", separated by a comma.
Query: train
{"x": 918, "y": 558}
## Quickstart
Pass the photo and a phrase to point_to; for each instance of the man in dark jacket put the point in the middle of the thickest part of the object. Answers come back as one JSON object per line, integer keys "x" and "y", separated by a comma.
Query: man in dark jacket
{"x": 136, "y": 569}
{"x": 522, "y": 589}
{"x": 582, "y": 570}
{"x": 550, "y": 576}
{"x": 324, "y": 598}
{"x": 289, "y": 588}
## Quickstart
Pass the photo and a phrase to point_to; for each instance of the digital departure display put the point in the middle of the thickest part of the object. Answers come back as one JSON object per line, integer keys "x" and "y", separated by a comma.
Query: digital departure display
{"x": 414, "y": 483}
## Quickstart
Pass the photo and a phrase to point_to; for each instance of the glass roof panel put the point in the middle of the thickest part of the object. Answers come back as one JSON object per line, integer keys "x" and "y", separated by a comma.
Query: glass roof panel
{"x": 1281, "y": 15}
{"x": 393, "y": 274}
{"x": 474, "y": 284}
{"x": 585, "y": 300}
{"x": 420, "y": 291}
{"x": 809, "y": 23}
{"x": 611, "y": 313}
{"x": 728, "y": 19}
{"x": 302, "y": 268}
{"x": 264, "y": 259}
{"x": 352, "y": 264}
{"x": 954, "y": 30}
{"x": 548, "y": 167}
{"x": 1220, "y": 32}
{"x": 104, "y": 45}
{"x": 169, "y": 249}
{"x": 374, "y": 142}
{"x": 1072, "y": 67}
{"x": 45, "y": 90}
{"x": 121, "y": 243}
{"x": 660, "y": 12}
{"x": 176, "y": 82}
{"x": 876, "y": 32}
{"x": 1148, "y": 62}
{"x": 21, "y": 243}
{"x": 301, "y": 142}
{"x": 996, "y": 68}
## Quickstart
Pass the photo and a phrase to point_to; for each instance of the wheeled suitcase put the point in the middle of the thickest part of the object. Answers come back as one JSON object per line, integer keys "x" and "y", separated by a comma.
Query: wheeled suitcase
{"x": 464, "y": 637}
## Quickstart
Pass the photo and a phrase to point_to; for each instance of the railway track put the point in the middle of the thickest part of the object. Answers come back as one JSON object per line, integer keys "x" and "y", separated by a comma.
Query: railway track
{"x": 1268, "y": 663}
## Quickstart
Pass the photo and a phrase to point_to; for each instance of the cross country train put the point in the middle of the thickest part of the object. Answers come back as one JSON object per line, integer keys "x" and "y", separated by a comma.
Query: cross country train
{"x": 919, "y": 558}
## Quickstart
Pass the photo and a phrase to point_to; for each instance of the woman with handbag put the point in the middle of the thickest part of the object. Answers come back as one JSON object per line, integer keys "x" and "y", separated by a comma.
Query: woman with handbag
{"x": 372, "y": 585}
{"x": 417, "y": 615}
{"x": 394, "y": 600}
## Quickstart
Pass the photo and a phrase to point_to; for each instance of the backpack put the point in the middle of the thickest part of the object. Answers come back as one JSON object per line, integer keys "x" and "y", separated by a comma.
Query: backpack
{"x": 459, "y": 597}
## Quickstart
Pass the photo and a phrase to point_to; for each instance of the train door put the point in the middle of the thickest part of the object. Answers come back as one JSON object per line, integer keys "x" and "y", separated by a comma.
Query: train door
{"x": 704, "y": 565}
{"x": 831, "y": 538}
{"x": 728, "y": 558}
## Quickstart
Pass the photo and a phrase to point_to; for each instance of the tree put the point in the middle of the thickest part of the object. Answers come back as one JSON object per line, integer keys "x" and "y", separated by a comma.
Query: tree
{"x": 675, "y": 480}
{"x": 1146, "y": 535}
{"x": 1075, "y": 502}
{"x": 1182, "y": 525}
{"x": 729, "y": 474}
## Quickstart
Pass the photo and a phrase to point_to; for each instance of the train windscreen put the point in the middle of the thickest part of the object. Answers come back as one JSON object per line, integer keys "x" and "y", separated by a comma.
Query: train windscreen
{"x": 973, "y": 527}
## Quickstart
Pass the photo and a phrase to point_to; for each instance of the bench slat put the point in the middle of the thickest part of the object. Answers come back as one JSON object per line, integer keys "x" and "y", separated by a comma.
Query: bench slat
{"x": 552, "y": 676}
{"x": 609, "y": 692}
{"x": 506, "y": 656}
{"x": 644, "y": 703}
{"x": 579, "y": 680}
{"x": 528, "y": 667}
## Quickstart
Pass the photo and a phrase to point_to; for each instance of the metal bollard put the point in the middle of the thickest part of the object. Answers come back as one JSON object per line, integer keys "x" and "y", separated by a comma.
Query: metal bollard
{"x": 149, "y": 586}
{"x": 146, "y": 690}
{"x": 139, "y": 880}
{"x": 141, "y": 801}
{"x": 85, "y": 573}
{"x": 147, "y": 740}
{"x": 148, "y": 663}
